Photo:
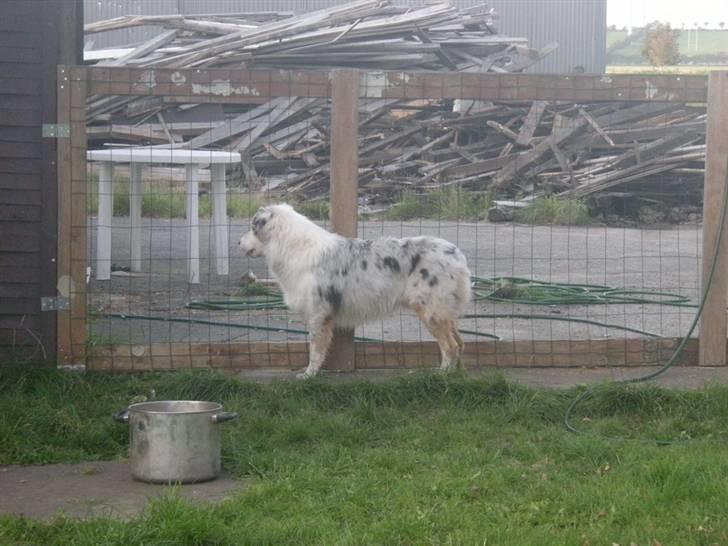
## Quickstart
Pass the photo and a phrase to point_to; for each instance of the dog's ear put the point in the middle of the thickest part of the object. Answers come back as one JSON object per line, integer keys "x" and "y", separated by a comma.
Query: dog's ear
{"x": 261, "y": 218}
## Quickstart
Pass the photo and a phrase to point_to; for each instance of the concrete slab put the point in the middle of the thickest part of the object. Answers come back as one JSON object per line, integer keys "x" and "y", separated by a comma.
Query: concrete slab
{"x": 98, "y": 489}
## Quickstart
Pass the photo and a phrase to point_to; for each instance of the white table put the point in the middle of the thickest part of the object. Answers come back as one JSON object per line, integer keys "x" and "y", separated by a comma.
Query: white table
{"x": 139, "y": 156}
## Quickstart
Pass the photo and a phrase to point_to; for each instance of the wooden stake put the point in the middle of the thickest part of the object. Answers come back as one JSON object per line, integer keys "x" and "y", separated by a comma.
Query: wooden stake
{"x": 136, "y": 192}
{"x": 105, "y": 219}
{"x": 193, "y": 224}
{"x": 713, "y": 322}
{"x": 64, "y": 284}
{"x": 344, "y": 182}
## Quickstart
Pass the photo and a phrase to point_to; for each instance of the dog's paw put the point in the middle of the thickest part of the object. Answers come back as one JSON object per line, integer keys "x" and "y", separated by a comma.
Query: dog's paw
{"x": 305, "y": 375}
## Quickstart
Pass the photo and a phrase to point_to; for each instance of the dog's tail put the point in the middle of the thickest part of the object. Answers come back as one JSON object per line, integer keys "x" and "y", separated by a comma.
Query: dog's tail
{"x": 464, "y": 289}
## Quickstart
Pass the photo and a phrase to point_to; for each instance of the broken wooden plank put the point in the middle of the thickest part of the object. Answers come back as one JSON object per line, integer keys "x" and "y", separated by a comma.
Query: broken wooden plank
{"x": 533, "y": 119}
{"x": 591, "y": 121}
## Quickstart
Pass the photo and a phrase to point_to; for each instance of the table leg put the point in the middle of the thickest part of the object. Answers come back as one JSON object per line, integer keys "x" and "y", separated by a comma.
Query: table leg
{"x": 135, "y": 216}
{"x": 193, "y": 225}
{"x": 103, "y": 225}
{"x": 219, "y": 218}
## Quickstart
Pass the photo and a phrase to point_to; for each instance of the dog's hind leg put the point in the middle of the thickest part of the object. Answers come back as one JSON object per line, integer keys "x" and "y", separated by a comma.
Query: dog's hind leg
{"x": 321, "y": 334}
{"x": 459, "y": 342}
{"x": 445, "y": 333}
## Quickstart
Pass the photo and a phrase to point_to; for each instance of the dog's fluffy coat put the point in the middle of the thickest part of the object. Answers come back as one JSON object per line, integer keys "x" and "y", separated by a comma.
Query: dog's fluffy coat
{"x": 337, "y": 282}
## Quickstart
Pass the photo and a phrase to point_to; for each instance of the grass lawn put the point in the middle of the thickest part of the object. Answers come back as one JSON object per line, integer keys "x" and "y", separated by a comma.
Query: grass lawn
{"x": 426, "y": 459}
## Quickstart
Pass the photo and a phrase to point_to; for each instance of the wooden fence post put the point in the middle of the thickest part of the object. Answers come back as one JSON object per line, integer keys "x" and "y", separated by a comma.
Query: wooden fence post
{"x": 713, "y": 323}
{"x": 71, "y": 265}
{"x": 344, "y": 185}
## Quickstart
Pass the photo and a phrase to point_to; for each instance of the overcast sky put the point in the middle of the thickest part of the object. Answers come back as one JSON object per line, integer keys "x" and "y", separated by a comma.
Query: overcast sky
{"x": 676, "y": 12}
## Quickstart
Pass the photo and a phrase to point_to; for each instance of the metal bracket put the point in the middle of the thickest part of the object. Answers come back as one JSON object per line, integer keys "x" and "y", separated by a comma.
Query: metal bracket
{"x": 55, "y": 303}
{"x": 56, "y": 130}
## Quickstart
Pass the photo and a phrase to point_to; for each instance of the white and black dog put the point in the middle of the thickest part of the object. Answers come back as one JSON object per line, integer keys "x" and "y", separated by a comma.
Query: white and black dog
{"x": 337, "y": 282}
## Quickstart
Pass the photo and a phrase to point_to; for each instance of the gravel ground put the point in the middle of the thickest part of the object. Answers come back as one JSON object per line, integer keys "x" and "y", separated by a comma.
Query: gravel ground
{"x": 631, "y": 259}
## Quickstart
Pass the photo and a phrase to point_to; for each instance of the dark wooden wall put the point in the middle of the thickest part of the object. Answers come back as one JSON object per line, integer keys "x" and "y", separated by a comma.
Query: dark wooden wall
{"x": 35, "y": 37}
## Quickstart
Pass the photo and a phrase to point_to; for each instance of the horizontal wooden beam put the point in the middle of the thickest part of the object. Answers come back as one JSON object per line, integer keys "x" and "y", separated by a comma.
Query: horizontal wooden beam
{"x": 392, "y": 355}
{"x": 255, "y": 85}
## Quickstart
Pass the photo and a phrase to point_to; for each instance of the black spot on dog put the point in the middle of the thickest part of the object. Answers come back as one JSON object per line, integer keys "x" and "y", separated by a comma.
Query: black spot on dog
{"x": 345, "y": 272}
{"x": 455, "y": 296}
{"x": 364, "y": 265}
{"x": 405, "y": 246}
{"x": 333, "y": 296}
{"x": 366, "y": 244}
{"x": 433, "y": 281}
{"x": 450, "y": 250}
{"x": 424, "y": 273}
{"x": 391, "y": 263}
{"x": 320, "y": 292}
{"x": 415, "y": 260}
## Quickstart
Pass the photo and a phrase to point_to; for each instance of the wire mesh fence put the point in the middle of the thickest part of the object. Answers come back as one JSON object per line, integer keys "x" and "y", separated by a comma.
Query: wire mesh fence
{"x": 576, "y": 200}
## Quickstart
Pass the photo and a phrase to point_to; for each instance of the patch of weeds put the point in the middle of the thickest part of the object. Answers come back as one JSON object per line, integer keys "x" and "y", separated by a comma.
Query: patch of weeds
{"x": 315, "y": 210}
{"x": 412, "y": 205}
{"x": 256, "y": 289}
{"x": 166, "y": 200}
{"x": 554, "y": 211}
{"x": 93, "y": 337}
{"x": 448, "y": 204}
{"x": 243, "y": 206}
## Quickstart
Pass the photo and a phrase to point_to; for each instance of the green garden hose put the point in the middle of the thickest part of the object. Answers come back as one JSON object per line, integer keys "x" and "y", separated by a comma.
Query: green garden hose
{"x": 124, "y": 316}
{"x": 514, "y": 290}
{"x": 683, "y": 343}
{"x": 533, "y": 292}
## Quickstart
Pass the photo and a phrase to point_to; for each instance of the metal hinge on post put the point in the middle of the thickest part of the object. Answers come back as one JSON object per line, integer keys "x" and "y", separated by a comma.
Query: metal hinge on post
{"x": 55, "y": 303}
{"x": 56, "y": 130}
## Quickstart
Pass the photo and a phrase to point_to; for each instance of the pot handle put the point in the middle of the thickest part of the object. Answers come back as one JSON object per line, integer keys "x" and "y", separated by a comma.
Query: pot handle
{"x": 224, "y": 416}
{"x": 121, "y": 416}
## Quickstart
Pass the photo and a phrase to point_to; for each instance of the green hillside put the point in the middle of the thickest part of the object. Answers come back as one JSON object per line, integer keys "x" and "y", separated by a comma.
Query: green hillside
{"x": 712, "y": 47}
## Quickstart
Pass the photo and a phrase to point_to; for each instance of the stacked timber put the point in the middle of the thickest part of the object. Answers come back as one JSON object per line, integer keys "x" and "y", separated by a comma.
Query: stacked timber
{"x": 365, "y": 34}
{"x": 653, "y": 152}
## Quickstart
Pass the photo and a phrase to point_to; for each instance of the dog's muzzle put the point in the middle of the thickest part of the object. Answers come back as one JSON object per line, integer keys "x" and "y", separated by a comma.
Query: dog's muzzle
{"x": 250, "y": 245}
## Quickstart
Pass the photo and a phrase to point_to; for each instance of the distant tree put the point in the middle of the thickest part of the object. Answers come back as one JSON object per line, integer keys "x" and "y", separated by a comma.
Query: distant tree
{"x": 612, "y": 27}
{"x": 721, "y": 25}
{"x": 661, "y": 45}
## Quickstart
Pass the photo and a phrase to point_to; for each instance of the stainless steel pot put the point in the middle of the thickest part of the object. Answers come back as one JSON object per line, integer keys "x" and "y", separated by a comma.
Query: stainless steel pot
{"x": 175, "y": 441}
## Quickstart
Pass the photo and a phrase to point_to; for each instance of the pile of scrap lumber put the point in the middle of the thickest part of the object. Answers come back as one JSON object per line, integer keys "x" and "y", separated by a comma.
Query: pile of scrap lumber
{"x": 365, "y": 34}
{"x": 654, "y": 151}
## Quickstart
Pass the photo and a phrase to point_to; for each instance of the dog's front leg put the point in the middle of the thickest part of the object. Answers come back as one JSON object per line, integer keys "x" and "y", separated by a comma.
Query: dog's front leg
{"x": 321, "y": 333}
